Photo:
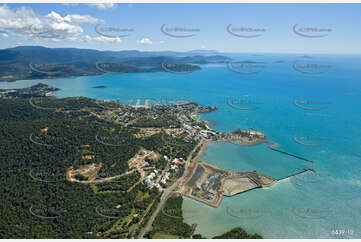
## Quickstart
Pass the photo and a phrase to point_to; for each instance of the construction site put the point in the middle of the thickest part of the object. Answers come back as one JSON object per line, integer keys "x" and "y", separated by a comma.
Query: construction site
{"x": 209, "y": 183}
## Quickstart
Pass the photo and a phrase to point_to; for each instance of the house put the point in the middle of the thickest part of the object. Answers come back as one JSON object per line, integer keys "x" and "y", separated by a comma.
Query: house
{"x": 257, "y": 133}
{"x": 165, "y": 178}
{"x": 148, "y": 182}
{"x": 151, "y": 175}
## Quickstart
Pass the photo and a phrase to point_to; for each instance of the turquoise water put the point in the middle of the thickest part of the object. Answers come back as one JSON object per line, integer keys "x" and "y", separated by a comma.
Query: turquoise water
{"x": 305, "y": 207}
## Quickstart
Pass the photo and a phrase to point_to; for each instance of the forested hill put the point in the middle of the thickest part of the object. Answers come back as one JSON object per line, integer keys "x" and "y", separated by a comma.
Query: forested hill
{"x": 39, "y": 144}
{"x": 36, "y": 62}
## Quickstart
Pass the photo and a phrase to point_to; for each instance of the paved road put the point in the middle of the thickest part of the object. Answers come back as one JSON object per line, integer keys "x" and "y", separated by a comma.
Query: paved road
{"x": 166, "y": 193}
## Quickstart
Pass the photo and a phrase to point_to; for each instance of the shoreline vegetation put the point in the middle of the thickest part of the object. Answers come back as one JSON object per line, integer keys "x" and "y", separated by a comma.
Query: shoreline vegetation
{"x": 169, "y": 224}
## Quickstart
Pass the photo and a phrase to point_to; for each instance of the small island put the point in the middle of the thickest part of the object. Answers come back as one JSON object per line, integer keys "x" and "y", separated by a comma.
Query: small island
{"x": 100, "y": 87}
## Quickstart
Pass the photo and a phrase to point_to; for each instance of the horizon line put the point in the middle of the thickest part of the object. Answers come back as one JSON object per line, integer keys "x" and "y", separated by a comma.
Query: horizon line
{"x": 185, "y": 51}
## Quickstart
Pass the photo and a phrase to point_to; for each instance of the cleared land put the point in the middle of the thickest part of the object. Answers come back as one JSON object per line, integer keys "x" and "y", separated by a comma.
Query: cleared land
{"x": 209, "y": 183}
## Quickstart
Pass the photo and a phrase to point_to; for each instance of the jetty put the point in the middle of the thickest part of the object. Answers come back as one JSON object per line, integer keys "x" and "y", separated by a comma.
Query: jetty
{"x": 138, "y": 102}
{"x": 295, "y": 174}
{"x": 273, "y": 145}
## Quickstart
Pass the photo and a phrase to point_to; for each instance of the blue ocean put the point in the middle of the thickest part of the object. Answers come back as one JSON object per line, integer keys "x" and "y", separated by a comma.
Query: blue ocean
{"x": 310, "y": 111}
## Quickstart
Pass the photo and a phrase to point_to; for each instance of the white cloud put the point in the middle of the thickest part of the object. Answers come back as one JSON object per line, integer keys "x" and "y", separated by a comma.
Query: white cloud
{"x": 161, "y": 42}
{"x": 102, "y": 6}
{"x": 3, "y": 35}
{"x": 70, "y": 4}
{"x": 103, "y": 39}
{"x": 25, "y": 23}
{"x": 16, "y": 22}
{"x": 145, "y": 41}
{"x": 77, "y": 18}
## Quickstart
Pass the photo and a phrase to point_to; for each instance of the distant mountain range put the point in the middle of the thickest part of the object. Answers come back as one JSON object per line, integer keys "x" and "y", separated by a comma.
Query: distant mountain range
{"x": 37, "y": 62}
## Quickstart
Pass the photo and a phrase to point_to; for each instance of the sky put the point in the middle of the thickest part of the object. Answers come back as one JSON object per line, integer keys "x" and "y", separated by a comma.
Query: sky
{"x": 240, "y": 27}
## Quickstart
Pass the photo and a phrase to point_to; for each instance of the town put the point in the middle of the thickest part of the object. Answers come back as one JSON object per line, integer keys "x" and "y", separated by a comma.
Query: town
{"x": 179, "y": 125}
{"x": 39, "y": 90}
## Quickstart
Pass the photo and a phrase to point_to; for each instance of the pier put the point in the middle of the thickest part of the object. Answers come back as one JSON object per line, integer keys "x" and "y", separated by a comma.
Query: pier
{"x": 298, "y": 173}
{"x": 273, "y": 145}
{"x": 138, "y": 102}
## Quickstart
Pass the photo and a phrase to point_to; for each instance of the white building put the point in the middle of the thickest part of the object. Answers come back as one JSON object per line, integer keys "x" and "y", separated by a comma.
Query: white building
{"x": 152, "y": 175}
{"x": 148, "y": 182}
